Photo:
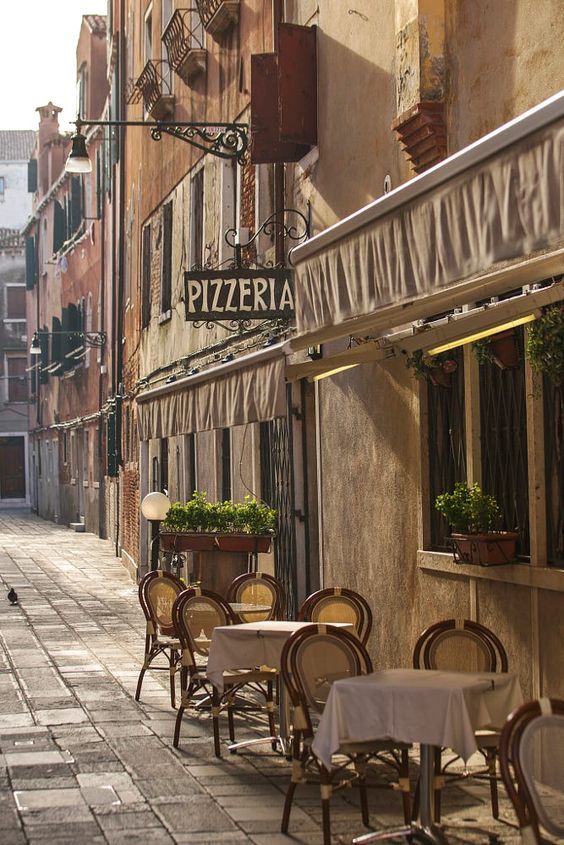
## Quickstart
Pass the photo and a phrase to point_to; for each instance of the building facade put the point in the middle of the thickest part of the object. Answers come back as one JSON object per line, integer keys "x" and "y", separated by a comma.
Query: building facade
{"x": 67, "y": 310}
{"x": 15, "y": 150}
{"x": 405, "y": 158}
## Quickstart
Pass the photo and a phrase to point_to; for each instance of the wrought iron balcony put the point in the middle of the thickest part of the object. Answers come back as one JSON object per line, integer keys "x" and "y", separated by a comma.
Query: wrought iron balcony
{"x": 155, "y": 90}
{"x": 218, "y": 15}
{"x": 184, "y": 42}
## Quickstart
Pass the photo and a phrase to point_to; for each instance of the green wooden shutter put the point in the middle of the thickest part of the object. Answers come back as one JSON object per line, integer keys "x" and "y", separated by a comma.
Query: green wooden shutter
{"x": 43, "y": 335}
{"x": 56, "y": 345}
{"x": 32, "y": 176}
{"x": 76, "y": 203}
{"x": 111, "y": 444}
{"x": 59, "y": 226}
{"x": 30, "y": 263}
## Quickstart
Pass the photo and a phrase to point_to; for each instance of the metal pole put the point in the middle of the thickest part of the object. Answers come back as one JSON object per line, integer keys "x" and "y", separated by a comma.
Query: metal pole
{"x": 155, "y": 526}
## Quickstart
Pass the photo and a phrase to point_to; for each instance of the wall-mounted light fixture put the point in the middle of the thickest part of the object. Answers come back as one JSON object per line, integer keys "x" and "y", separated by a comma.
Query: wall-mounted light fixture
{"x": 224, "y": 140}
{"x": 96, "y": 339}
{"x": 480, "y": 335}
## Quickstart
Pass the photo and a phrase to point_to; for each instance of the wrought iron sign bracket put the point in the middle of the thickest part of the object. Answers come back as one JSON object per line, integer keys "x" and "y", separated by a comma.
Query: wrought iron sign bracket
{"x": 275, "y": 224}
{"x": 223, "y": 140}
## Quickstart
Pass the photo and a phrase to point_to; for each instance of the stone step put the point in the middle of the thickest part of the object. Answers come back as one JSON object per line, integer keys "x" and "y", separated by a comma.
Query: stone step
{"x": 77, "y": 526}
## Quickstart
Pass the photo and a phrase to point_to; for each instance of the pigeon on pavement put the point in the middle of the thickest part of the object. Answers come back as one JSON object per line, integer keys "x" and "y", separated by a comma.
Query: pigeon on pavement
{"x": 12, "y": 596}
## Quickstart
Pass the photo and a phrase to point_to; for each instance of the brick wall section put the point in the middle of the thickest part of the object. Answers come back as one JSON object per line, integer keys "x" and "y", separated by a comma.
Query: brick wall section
{"x": 130, "y": 511}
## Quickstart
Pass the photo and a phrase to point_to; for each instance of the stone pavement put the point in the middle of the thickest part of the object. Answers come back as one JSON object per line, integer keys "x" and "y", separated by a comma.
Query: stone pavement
{"x": 82, "y": 762}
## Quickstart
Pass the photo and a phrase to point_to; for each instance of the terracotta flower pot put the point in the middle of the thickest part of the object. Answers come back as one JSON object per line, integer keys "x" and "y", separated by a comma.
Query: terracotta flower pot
{"x": 186, "y": 542}
{"x": 244, "y": 542}
{"x": 489, "y": 549}
{"x": 505, "y": 350}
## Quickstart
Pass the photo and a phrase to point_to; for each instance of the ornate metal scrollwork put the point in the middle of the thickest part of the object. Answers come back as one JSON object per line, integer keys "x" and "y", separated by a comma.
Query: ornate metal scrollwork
{"x": 273, "y": 224}
{"x": 227, "y": 141}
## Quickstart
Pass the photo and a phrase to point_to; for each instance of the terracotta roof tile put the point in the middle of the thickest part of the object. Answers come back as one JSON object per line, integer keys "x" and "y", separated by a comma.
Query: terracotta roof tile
{"x": 16, "y": 144}
{"x": 97, "y": 23}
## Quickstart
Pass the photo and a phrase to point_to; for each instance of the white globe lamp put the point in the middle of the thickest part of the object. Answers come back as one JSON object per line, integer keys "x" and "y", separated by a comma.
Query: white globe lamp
{"x": 155, "y": 506}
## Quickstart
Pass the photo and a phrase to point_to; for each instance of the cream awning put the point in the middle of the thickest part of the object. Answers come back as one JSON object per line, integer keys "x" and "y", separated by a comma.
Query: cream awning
{"x": 248, "y": 389}
{"x": 486, "y": 219}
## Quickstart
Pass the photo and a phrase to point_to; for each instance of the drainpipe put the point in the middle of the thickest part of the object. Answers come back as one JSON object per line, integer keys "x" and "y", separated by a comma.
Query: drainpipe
{"x": 279, "y": 201}
{"x": 103, "y": 357}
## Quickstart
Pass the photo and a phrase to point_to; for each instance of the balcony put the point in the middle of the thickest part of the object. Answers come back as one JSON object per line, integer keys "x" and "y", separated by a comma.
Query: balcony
{"x": 218, "y": 15}
{"x": 155, "y": 91}
{"x": 184, "y": 42}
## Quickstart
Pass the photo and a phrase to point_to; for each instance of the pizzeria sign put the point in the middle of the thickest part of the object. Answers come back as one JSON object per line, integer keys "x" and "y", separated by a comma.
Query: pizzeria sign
{"x": 238, "y": 294}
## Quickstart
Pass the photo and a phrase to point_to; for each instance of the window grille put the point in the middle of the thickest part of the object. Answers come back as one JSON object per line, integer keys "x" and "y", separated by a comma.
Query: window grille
{"x": 503, "y": 429}
{"x": 447, "y": 450}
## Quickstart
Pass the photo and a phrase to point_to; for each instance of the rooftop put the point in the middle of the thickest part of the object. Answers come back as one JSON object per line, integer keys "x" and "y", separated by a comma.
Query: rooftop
{"x": 97, "y": 23}
{"x": 16, "y": 144}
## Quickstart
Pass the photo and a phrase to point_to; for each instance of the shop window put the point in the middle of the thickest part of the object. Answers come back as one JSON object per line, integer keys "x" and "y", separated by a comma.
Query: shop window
{"x": 191, "y": 461}
{"x": 503, "y": 437}
{"x": 164, "y": 464}
{"x": 447, "y": 448}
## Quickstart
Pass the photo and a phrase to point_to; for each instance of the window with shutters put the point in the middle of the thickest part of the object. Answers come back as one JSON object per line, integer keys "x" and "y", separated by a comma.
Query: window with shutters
{"x": 59, "y": 226}
{"x": 16, "y": 366}
{"x": 43, "y": 337}
{"x": 57, "y": 362}
{"x": 146, "y": 277}
{"x": 30, "y": 263}
{"x": 15, "y": 302}
{"x": 76, "y": 204}
{"x": 197, "y": 219}
{"x": 32, "y": 176}
{"x": 166, "y": 264}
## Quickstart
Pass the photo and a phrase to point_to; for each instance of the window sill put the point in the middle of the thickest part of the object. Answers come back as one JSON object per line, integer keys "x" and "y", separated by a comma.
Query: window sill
{"x": 86, "y": 484}
{"x": 165, "y": 317}
{"x": 73, "y": 481}
{"x": 96, "y": 485}
{"x": 520, "y": 574}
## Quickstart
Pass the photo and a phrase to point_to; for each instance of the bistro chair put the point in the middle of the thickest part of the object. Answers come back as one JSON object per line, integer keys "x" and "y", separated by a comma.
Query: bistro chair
{"x": 195, "y": 614}
{"x": 461, "y": 645}
{"x": 260, "y": 589}
{"x": 338, "y": 604}
{"x": 157, "y": 592}
{"x": 313, "y": 658}
{"x": 531, "y": 756}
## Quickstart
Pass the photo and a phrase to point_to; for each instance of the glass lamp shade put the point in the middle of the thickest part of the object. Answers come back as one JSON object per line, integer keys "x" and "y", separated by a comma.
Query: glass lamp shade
{"x": 35, "y": 348}
{"x": 78, "y": 160}
{"x": 154, "y": 506}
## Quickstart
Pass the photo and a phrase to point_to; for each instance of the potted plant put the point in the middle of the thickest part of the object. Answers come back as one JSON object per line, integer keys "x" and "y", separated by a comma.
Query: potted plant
{"x": 475, "y": 518}
{"x": 251, "y": 525}
{"x": 501, "y": 349}
{"x": 188, "y": 527}
{"x": 545, "y": 343}
{"x": 435, "y": 368}
{"x": 200, "y": 525}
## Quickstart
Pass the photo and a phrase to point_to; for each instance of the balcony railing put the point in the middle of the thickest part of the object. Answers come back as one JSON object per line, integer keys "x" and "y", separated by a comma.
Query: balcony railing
{"x": 184, "y": 42}
{"x": 218, "y": 15}
{"x": 155, "y": 90}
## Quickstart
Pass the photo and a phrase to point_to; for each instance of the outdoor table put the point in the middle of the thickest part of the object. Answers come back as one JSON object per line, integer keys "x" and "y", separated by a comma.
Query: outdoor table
{"x": 253, "y": 644}
{"x": 248, "y": 607}
{"x": 429, "y": 707}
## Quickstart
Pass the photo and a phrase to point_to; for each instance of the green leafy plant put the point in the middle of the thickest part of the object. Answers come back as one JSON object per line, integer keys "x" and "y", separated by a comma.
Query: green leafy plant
{"x": 424, "y": 364}
{"x": 483, "y": 351}
{"x": 468, "y": 510}
{"x": 545, "y": 343}
{"x": 199, "y": 515}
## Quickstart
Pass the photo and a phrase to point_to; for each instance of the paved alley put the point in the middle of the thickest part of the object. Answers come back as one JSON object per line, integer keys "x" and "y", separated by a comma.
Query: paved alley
{"x": 82, "y": 762}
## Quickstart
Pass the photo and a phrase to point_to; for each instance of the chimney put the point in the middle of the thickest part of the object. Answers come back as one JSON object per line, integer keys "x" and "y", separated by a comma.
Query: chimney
{"x": 48, "y": 132}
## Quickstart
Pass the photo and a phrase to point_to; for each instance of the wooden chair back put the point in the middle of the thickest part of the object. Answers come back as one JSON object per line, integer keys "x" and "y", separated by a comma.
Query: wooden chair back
{"x": 195, "y": 614}
{"x": 531, "y": 754}
{"x": 339, "y": 604}
{"x": 314, "y": 658}
{"x": 459, "y": 645}
{"x": 258, "y": 588}
{"x": 158, "y": 591}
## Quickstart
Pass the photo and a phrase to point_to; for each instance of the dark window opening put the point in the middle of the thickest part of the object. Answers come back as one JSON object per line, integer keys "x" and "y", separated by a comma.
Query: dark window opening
{"x": 226, "y": 485}
{"x": 554, "y": 470}
{"x": 166, "y": 269}
{"x": 146, "y": 278}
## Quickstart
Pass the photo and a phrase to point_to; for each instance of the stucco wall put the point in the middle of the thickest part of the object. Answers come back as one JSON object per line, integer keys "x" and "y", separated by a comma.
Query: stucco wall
{"x": 369, "y": 460}
{"x": 15, "y": 207}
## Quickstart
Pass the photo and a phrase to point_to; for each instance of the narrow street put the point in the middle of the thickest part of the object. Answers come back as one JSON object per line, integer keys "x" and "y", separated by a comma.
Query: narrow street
{"x": 82, "y": 762}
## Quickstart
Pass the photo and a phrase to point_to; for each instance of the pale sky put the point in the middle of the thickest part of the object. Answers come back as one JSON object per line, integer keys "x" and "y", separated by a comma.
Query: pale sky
{"x": 38, "y": 57}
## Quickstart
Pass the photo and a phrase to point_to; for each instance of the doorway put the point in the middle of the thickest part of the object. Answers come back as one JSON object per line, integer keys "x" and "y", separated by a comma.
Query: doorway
{"x": 12, "y": 468}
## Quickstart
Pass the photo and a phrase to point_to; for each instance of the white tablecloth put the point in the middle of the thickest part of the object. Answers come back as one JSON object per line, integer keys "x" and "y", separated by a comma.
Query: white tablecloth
{"x": 415, "y": 705}
{"x": 249, "y": 644}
